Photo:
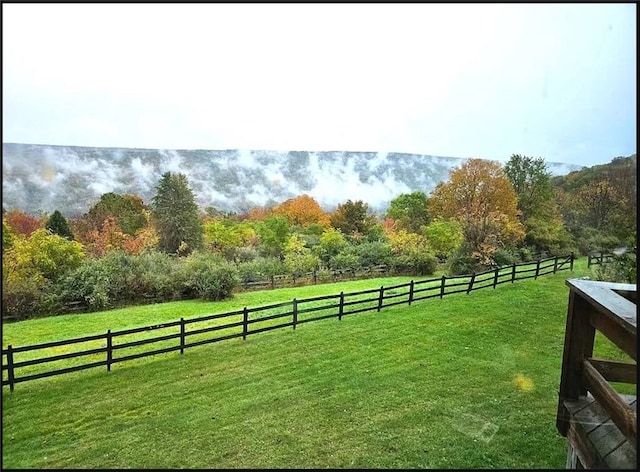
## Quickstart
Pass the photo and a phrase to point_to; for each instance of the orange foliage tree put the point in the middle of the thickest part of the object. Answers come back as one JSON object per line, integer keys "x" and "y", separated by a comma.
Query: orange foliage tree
{"x": 22, "y": 223}
{"x": 481, "y": 197}
{"x": 302, "y": 211}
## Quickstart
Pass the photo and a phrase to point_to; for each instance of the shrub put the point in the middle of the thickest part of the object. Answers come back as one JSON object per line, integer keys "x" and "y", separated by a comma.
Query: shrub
{"x": 26, "y": 298}
{"x": 210, "y": 277}
{"x": 504, "y": 256}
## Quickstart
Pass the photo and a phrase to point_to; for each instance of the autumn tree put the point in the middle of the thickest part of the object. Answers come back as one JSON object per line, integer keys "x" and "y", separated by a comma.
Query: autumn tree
{"x": 597, "y": 203}
{"x": 480, "y": 196}
{"x": 410, "y": 211}
{"x": 57, "y": 224}
{"x": 176, "y": 215}
{"x": 302, "y": 211}
{"x": 22, "y": 223}
{"x": 42, "y": 256}
{"x": 353, "y": 219}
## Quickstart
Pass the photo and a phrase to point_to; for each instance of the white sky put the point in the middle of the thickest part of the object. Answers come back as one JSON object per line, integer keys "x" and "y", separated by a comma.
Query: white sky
{"x": 556, "y": 81}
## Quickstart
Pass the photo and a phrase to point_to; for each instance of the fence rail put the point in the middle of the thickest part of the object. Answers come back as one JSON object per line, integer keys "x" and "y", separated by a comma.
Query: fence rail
{"x": 600, "y": 258}
{"x": 101, "y": 349}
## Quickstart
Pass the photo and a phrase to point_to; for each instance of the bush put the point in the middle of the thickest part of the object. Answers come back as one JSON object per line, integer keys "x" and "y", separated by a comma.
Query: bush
{"x": 158, "y": 275}
{"x": 415, "y": 263}
{"x": 623, "y": 269}
{"x": 24, "y": 299}
{"x": 260, "y": 268}
{"x": 461, "y": 263}
{"x": 504, "y": 256}
{"x": 345, "y": 260}
{"x": 88, "y": 284}
{"x": 373, "y": 253}
{"x": 210, "y": 277}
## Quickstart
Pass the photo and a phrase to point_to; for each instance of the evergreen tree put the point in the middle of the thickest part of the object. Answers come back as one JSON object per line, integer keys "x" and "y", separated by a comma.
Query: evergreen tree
{"x": 177, "y": 216}
{"x": 57, "y": 224}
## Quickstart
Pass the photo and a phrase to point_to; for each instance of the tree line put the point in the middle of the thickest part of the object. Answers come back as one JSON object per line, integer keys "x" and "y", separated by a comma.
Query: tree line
{"x": 485, "y": 215}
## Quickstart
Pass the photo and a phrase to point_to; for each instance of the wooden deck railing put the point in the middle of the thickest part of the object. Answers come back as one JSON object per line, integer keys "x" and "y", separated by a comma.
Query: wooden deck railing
{"x": 609, "y": 308}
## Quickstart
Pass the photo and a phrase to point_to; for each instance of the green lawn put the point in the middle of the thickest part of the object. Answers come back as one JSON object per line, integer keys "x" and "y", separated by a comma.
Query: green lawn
{"x": 469, "y": 381}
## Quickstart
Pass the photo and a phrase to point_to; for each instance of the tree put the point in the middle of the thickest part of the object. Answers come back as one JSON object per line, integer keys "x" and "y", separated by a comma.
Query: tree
{"x": 176, "y": 216}
{"x": 7, "y": 236}
{"x": 532, "y": 183}
{"x": 539, "y": 211}
{"x": 273, "y": 233}
{"x": 353, "y": 218}
{"x": 57, "y": 224}
{"x": 480, "y": 196}
{"x": 410, "y": 211}
{"x": 302, "y": 211}
{"x": 129, "y": 210}
{"x": 22, "y": 223}
{"x": 331, "y": 243}
{"x": 444, "y": 237}
{"x": 44, "y": 255}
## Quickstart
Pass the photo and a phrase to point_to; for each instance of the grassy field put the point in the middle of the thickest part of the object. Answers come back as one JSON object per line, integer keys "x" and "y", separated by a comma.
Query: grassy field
{"x": 469, "y": 381}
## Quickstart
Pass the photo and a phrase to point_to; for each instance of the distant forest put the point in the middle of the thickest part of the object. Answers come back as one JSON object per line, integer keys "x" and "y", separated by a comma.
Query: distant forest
{"x": 485, "y": 215}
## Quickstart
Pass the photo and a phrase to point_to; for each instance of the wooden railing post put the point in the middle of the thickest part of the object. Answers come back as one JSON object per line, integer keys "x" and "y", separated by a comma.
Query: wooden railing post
{"x": 341, "y": 307}
{"x": 245, "y": 323}
{"x": 555, "y": 265}
{"x": 295, "y": 313}
{"x": 571, "y": 263}
{"x": 537, "y": 269}
{"x": 495, "y": 277}
{"x": 513, "y": 272}
{"x": 442, "y": 286}
{"x": 473, "y": 277}
{"x": 380, "y": 298}
{"x": 10, "y": 368}
{"x": 109, "y": 350}
{"x": 578, "y": 344}
{"x": 182, "y": 330}
{"x": 410, "y": 292}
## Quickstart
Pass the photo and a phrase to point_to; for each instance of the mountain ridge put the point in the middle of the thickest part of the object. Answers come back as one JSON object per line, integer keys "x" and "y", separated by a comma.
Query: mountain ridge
{"x": 43, "y": 178}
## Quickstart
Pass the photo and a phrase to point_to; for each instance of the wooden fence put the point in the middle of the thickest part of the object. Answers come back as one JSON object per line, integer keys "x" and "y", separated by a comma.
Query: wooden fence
{"x": 105, "y": 350}
{"x": 600, "y": 258}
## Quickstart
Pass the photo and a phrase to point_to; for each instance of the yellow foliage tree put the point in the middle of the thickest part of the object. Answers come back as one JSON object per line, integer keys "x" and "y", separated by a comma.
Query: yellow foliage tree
{"x": 481, "y": 197}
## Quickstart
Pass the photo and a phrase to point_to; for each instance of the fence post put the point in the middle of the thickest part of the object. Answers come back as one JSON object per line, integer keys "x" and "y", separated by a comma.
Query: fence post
{"x": 473, "y": 277}
{"x": 442, "y": 286}
{"x": 11, "y": 373}
{"x": 245, "y": 323}
{"x": 513, "y": 272}
{"x": 537, "y": 269}
{"x": 341, "y": 307}
{"x": 555, "y": 265}
{"x": 181, "y": 335}
{"x": 295, "y": 313}
{"x": 495, "y": 277}
{"x": 315, "y": 277}
{"x": 410, "y": 292}
{"x": 380, "y": 298}
{"x": 571, "y": 263}
{"x": 273, "y": 282}
{"x": 109, "y": 350}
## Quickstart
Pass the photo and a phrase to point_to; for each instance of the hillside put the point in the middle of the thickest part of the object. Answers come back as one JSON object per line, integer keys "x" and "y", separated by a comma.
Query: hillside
{"x": 71, "y": 179}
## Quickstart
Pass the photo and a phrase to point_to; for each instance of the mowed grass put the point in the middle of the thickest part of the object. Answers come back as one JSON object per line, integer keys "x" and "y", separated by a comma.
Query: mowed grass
{"x": 469, "y": 381}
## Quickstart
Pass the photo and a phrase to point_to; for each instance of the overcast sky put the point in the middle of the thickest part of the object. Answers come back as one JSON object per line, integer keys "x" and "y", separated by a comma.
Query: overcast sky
{"x": 487, "y": 80}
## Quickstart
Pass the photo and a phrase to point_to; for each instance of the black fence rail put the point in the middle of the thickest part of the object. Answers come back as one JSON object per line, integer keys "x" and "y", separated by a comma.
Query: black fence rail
{"x": 112, "y": 347}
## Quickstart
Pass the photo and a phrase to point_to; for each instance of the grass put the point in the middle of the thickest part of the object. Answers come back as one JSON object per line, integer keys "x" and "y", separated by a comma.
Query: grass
{"x": 469, "y": 381}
